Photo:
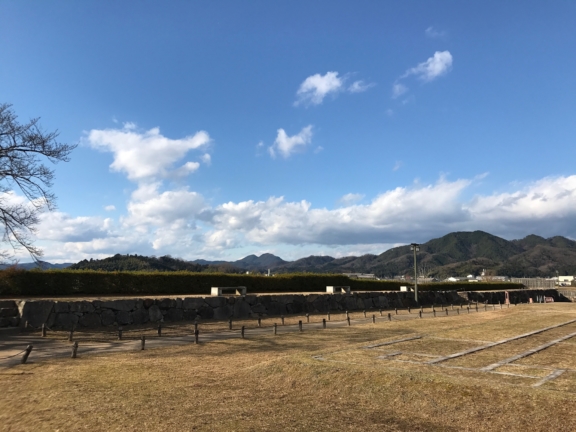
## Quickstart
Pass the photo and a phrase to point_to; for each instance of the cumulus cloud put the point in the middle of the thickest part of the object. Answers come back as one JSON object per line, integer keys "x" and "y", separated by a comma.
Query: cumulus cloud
{"x": 402, "y": 214}
{"x": 61, "y": 227}
{"x": 110, "y": 207}
{"x": 359, "y": 86}
{"x": 287, "y": 145}
{"x": 206, "y": 158}
{"x": 437, "y": 65}
{"x": 316, "y": 87}
{"x": 148, "y": 155}
{"x": 350, "y": 198}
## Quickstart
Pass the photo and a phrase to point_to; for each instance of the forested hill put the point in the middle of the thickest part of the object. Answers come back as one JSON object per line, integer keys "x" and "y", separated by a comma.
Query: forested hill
{"x": 143, "y": 263}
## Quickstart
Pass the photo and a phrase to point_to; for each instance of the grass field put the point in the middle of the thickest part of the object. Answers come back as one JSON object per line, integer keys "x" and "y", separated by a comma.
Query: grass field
{"x": 325, "y": 380}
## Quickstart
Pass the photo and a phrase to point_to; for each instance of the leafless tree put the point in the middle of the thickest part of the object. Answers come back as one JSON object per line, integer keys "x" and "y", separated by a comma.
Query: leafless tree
{"x": 23, "y": 150}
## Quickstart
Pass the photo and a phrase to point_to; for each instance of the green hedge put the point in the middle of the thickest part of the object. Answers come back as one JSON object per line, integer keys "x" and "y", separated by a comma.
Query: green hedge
{"x": 87, "y": 282}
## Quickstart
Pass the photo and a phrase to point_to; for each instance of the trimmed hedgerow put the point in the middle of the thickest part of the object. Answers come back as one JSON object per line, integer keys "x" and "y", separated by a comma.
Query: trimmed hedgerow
{"x": 86, "y": 282}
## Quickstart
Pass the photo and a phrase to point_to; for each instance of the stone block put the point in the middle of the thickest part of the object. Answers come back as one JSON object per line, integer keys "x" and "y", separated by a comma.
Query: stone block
{"x": 123, "y": 317}
{"x": 61, "y": 307}
{"x": 8, "y": 304}
{"x": 294, "y": 308}
{"x": 224, "y": 312}
{"x": 154, "y": 313}
{"x": 166, "y": 303}
{"x": 251, "y": 299}
{"x": 174, "y": 314}
{"x": 259, "y": 308}
{"x": 321, "y": 304}
{"x": 14, "y": 321}
{"x": 82, "y": 307}
{"x": 91, "y": 319}
{"x": 350, "y": 303}
{"x": 140, "y": 316}
{"x": 66, "y": 320}
{"x": 383, "y": 302}
{"x": 107, "y": 317}
{"x": 4, "y": 322}
{"x": 215, "y": 302}
{"x": 8, "y": 313}
{"x": 193, "y": 303}
{"x": 189, "y": 314}
{"x": 35, "y": 312}
{"x": 179, "y": 303}
{"x": 148, "y": 302}
{"x": 119, "y": 305}
{"x": 206, "y": 312}
{"x": 277, "y": 308}
{"x": 241, "y": 309}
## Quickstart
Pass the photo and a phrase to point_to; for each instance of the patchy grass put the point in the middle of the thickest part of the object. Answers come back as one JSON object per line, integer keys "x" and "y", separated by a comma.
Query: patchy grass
{"x": 274, "y": 383}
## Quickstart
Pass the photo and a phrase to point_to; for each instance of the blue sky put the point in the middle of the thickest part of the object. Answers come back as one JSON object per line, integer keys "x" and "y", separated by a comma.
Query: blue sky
{"x": 219, "y": 129}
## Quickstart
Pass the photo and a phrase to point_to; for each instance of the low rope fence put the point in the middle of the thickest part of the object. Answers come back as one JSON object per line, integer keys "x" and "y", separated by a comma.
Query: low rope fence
{"x": 95, "y": 338}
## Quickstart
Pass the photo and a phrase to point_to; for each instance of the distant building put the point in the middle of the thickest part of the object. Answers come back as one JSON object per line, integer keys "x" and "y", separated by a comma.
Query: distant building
{"x": 361, "y": 276}
{"x": 535, "y": 282}
{"x": 565, "y": 280}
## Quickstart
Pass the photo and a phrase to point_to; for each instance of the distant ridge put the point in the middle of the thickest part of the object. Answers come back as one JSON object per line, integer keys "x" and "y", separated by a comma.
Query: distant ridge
{"x": 455, "y": 254}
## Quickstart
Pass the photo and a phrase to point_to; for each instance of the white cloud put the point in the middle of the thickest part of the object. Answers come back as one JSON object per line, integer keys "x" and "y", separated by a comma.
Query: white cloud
{"x": 148, "y": 155}
{"x": 432, "y": 33}
{"x": 61, "y": 227}
{"x": 421, "y": 212}
{"x": 110, "y": 207}
{"x": 206, "y": 158}
{"x": 397, "y": 166}
{"x": 359, "y": 86}
{"x": 398, "y": 90}
{"x": 350, "y": 198}
{"x": 316, "y": 87}
{"x": 287, "y": 145}
{"x": 437, "y": 65}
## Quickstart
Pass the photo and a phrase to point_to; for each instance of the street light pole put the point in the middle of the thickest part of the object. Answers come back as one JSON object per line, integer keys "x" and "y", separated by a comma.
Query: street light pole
{"x": 415, "y": 247}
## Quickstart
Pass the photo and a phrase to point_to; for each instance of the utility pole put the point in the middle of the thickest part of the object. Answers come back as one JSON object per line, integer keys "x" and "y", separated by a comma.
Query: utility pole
{"x": 415, "y": 247}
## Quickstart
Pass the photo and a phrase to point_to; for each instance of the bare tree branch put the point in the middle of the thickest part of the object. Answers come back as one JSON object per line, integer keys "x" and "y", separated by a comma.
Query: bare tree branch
{"x": 22, "y": 150}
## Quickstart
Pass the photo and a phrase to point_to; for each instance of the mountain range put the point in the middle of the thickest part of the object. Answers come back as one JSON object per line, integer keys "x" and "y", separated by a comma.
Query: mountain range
{"x": 455, "y": 254}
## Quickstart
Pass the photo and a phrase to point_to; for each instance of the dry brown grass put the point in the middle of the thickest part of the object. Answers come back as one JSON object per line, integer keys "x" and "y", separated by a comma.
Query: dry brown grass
{"x": 274, "y": 383}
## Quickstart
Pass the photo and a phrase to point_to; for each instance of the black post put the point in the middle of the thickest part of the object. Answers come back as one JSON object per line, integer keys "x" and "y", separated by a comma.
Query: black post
{"x": 196, "y": 336}
{"x": 119, "y": 333}
{"x": 380, "y": 312}
{"x": 364, "y": 313}
{"x": 230, "y": 324}
{"x": 43, "y": 330}
{"x": 389, "y": 317}
{"x": 259, "y": 322}
{"x": 26, "y": 354}
{"x": 323, "y": 323}
{"x": 307, "y": 317}
{"x": 300, "y": 325}
{"x": 348, "y": 319}
{"x": 373, "y": 319}
{"x": 328, "y": 315}
{"x": 159, "y": 330}
{"x": 242, "y": 332}
{"x": 142, "y": 342}
{"x": 420, "y": 314}
{"x": 282, "y": 318}
{"x": 275, "y": 328}
{"x": 71, "y": 335}
{"x": 74, "y": 349}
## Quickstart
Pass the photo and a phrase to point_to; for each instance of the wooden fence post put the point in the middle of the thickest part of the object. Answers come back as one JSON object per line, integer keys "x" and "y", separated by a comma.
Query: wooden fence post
{"x": 300, "y": 325}
{"x": 348, "y": 319}
{"x": 26, "y": 354}
{"x": 142, "y": 342}
{"x": 119, "y": 333}
{"x": 323, "y": 323}
{"x": 196, "y": 336}
{"x": 74, "y": 349}
{"x": 275, "y": 328}
{"x": 328, "y": 315}
{"x": 389, "y": 317}
{"x": 44, "y": 330}
{"x": 230, "y": 324}
{"x": 307, "y": 317}
{"x": 282, "y": 318}
{"x": 242, "y": 332}
{"x": 373, "y": 319}
{"x": 159, "y": 329}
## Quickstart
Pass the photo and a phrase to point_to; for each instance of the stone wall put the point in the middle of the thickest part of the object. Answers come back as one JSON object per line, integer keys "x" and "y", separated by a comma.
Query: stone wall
{"x": 95, "y": 313}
